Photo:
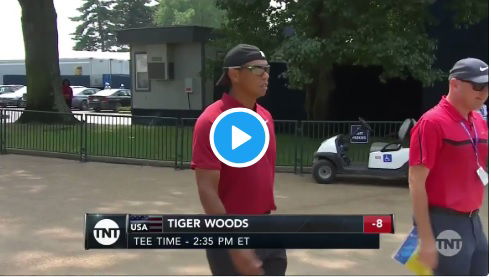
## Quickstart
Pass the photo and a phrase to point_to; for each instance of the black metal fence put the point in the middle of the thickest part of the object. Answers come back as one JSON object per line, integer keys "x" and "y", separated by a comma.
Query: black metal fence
{"x": 167, "y": 139}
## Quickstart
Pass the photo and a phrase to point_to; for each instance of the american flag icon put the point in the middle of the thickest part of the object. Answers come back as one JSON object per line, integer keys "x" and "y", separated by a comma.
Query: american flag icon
{"x": 154, "y": 223}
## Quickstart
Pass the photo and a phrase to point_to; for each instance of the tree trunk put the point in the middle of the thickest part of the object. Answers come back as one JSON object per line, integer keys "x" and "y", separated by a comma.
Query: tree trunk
{"x": 102, "y": 37}
{"x": 325, "y": 87}
{"x": 318, "y": 95}
{"x": 309, "y": 100}
{"x": 319, "y": 92}
{"x": 42, "y": 63}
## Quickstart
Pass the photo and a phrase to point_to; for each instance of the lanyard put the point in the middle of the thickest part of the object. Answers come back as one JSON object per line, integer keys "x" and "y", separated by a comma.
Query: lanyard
{"x": 474, "y": 140}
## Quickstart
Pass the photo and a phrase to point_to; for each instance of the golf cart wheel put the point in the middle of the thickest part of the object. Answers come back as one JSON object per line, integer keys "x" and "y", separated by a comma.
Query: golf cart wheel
{"x": 97, "y": 110}
{"x": 324, "y": 172}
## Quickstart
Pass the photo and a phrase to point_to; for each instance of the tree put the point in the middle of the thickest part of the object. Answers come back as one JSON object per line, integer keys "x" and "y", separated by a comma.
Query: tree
{"x": 250, "y": 20}
{"x": 133, "y": 14}
{"x": 42, "y": 64}
{"x": 189, "y": 12}
{"x": 254, "y": 28}
{"x": 319, "y": 34}
{"x": 98, "y": 29}
{"x": 100, "y": 19}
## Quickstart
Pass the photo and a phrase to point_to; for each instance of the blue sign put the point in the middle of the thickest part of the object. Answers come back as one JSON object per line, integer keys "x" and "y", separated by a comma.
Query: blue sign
{"x": 387, "y": 158}
{"x": 361, "y": 135}
{"x": 239, "y": 137}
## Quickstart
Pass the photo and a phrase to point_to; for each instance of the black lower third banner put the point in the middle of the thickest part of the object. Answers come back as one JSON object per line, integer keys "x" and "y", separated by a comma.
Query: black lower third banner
{"x": 123, "y": 231}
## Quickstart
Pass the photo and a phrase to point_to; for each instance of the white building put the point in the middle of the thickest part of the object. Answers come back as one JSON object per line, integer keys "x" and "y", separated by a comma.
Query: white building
{"x": 168, "y": 69}
{"x": 93, "y": 65}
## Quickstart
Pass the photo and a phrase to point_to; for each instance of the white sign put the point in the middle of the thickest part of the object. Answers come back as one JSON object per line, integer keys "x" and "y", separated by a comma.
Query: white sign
{"x": 188, "y": 85}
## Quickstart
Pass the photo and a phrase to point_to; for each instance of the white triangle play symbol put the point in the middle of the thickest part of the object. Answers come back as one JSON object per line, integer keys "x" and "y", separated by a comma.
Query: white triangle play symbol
{"x": 239, "y": 137}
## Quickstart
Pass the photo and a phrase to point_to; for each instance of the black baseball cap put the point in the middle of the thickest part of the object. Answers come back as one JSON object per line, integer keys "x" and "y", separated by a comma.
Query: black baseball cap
{"x": 238, "y": 56}
{"x": 470, "y": 69}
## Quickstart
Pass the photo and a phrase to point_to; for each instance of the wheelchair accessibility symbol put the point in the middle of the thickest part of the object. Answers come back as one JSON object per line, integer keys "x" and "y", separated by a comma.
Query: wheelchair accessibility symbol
{"x": 387, "y": 158}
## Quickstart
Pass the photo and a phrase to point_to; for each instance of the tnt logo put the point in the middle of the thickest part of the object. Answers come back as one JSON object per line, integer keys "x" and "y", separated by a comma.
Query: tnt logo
{"x": 106, "y": 232}
{"x": 449, "y": 243}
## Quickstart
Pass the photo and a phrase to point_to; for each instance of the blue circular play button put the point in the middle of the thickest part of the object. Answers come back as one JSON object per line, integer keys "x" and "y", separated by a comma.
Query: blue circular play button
{"x": 239, "y": 137}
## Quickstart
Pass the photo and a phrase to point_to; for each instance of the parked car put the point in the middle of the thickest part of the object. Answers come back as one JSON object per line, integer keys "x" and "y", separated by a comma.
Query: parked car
{"x": 79, "y": 100}
{"x": 81, "y": 95}
{"x": 12, "y": 98}
{"x": 110, "y": 99}
{"x": 23, "y": 100}
{"x": 9, "y": 88}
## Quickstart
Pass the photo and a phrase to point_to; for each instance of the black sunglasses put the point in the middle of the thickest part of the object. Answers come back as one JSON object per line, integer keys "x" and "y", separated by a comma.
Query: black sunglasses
{"x": 255, "y": 69}
{"x": 476, "y": 86}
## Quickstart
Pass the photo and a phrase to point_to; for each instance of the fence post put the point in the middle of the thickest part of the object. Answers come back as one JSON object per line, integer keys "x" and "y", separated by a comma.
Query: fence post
{"x": 301, "y": 148}
{"x": 83, "y": 139}
{"x": 181, "y": 155}
{"x": 176, "y": 142}
{"x": 2, "y": 131}
{"x": 295, "y": 155}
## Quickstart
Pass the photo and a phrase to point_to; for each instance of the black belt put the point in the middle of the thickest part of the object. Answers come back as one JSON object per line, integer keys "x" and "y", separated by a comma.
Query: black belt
{"x": 453, "y": 212}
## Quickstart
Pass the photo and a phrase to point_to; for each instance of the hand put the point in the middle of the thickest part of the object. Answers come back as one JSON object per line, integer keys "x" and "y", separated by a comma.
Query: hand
{"x": 246, "y": 262}
{"x": 428, "y": 254}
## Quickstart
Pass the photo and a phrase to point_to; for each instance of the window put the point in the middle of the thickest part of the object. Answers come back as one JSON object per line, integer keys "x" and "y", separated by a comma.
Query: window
{"x": 141, "y": 71}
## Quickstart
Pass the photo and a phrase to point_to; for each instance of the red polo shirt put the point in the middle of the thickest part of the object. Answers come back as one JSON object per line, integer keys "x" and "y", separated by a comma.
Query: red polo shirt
{"x": 247, "y": 190}
{"x": 440, "y": 143}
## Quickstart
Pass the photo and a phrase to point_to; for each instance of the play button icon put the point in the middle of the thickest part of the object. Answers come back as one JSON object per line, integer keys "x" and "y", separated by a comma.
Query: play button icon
{"x": 239, "y": 137}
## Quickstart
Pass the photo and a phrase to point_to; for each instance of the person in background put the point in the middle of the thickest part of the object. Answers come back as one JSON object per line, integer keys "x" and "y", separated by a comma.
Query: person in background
{"x": 484, "y": 112}
{"x": 67, "y": 92}
{"x": 448, "y": 156}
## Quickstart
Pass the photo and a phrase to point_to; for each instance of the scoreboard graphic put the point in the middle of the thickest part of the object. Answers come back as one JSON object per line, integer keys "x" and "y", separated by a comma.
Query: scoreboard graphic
{"x": 130, "y": 231}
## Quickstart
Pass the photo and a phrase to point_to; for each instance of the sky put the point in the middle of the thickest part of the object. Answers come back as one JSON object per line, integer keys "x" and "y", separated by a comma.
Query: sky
{"x": 12, "y": 46}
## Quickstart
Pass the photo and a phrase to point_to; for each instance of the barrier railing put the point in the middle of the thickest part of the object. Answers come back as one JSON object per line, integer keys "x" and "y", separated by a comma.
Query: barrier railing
{"x": 168, "y": 139}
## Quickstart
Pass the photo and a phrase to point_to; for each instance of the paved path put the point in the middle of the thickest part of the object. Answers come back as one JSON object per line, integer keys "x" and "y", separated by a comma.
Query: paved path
{"x": 91, "y": 117}
{"x": 43, "y": 201}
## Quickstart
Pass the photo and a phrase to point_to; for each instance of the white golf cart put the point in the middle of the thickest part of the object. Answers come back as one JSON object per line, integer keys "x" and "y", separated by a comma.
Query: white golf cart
{"x": 385, "y": 159}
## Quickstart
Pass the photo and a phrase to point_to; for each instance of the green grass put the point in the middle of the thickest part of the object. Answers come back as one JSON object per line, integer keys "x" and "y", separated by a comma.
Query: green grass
{"x": 146, "y": 142}
{"x": 51, "y": 138}
{"x": 132, "y": 141}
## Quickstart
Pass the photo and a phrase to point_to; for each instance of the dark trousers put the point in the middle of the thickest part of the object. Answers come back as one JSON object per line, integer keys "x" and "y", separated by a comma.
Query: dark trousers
{"x": 472, "y": 259}
{"x": 274, "y": 261}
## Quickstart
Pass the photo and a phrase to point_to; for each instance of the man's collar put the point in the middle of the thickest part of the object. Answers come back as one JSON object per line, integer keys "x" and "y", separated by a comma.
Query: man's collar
{"x": 453, "y": 112}
{"x": 231, "y": 102}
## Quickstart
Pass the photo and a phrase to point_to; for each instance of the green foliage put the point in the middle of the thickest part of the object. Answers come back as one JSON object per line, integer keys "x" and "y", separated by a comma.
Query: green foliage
{"x": 468, "y": 13}
{"x": 189, "y": 12}
{"x": 250, "y": 21}
{"x": 97, "y": 28}
{"x": 389, "y": 33}
{"x": 247, "y": 21}
{"x": 133, "y": 14}
{"x": 100, "y": 19}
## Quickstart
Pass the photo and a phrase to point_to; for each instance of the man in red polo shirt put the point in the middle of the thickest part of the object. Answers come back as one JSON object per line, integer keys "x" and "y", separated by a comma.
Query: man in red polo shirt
{"x": 230, "y": 190}
{"x": 448, "y": 173}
